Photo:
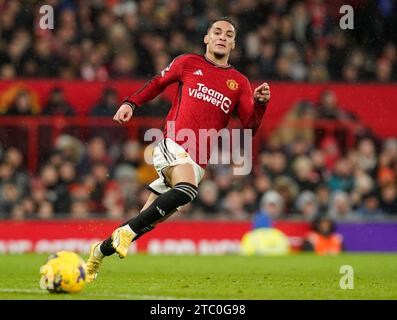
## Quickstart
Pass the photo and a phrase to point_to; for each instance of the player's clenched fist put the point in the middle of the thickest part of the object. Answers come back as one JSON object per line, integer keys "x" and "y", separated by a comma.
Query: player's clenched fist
{"x": 262, "y": 93}
{"x": 124, "y": 113}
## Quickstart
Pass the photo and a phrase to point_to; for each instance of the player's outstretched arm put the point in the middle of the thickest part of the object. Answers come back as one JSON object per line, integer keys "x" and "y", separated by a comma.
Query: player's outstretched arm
{"x": 124, "y": 113}
{"x": 252, "y": 107}
{"x": 152, "y": 88}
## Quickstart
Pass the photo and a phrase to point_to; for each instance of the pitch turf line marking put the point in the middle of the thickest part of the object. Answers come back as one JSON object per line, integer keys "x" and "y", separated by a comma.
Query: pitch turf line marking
{"x": 102, "y": 294}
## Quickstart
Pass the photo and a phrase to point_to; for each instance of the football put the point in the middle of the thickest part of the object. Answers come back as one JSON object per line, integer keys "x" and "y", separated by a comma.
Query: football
{"x": 63, "y": 272}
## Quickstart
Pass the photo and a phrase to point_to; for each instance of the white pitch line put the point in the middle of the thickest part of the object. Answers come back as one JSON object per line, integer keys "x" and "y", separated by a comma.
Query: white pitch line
{"x": 118, "y": 295}
{"x": 9, "y": 290}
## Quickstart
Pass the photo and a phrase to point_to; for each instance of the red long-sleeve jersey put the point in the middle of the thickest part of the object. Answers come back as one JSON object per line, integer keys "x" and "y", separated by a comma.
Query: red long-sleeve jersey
{"x": 207, "y": 95}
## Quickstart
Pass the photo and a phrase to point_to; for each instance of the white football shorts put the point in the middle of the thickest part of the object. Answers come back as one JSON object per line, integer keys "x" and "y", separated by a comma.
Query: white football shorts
{"x": 168, "y": 154}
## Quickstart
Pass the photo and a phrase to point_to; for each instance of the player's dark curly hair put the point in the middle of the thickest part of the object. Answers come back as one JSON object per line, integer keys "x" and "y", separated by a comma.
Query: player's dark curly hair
{"x": 222, "y": 19}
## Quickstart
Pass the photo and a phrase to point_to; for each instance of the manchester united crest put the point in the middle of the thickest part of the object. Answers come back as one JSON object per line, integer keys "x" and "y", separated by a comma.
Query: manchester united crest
{"x": 232, "y": 84}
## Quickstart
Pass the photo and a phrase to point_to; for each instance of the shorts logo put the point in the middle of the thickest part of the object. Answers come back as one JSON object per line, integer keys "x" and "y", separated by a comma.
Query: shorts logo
{"x": 232, "y": 84}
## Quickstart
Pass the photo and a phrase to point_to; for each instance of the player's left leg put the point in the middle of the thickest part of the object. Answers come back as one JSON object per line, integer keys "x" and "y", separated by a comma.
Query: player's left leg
{"x": 99, "y": 250}
{"x": 125, "y": 234}
{"x": 182, "y": 189}
{"x": 176, "y": 186}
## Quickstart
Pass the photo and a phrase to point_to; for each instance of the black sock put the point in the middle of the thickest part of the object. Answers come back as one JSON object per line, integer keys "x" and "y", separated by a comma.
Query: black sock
{"x": 164, "y": 205}
{"x": 107, "y": 247}
{"x": 141, "y": 233}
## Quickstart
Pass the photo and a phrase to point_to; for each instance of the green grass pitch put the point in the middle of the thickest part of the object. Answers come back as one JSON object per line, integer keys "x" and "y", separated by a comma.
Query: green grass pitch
{"x": 297, "y": 276}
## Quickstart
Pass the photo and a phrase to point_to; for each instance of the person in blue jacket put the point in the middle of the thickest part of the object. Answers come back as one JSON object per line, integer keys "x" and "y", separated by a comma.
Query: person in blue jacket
{"x": 271, "y": 208}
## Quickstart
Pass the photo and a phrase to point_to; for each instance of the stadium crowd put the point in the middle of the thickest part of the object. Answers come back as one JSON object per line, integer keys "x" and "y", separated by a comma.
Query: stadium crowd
{"x": 297, "y": 40}
{"x": 302, "y": 172}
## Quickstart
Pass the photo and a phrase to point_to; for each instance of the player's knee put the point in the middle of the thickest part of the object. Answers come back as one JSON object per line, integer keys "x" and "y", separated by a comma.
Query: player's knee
{"x": 181, "y": 173}
{"x": 187, "y": 191}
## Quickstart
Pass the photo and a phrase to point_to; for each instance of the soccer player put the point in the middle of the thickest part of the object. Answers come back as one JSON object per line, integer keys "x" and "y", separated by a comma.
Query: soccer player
{"x": 209, "y": 90}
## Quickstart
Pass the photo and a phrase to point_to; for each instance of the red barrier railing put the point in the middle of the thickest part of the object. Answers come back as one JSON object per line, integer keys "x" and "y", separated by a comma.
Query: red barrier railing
{"x": 58, "y": 125}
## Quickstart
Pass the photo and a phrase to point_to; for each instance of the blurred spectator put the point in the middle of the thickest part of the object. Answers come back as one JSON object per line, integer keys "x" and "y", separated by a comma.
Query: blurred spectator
{"x": 107, "y": 106}
{"x": 275, "y": 164}
{"x": 328, "y": 108}
{"x": 9, "y": 198}
{"x": 331, "y": 151}
{"x": 14, "y": 159}
{"x": 304, "y": 183}
{"x": 271, "y": 208}
{"x": 298, "y": 148}
{"x": 266, "y": 60}
{"x": 55, "y": 191}
{"x": 113, "y": 201}
{"x": 101, "y": 179}
{"x": 29, "y": 207}
{"x": 363, "y": 182}
{"x": 17, "y": 213}
{"x": 261, "y": 184}
{"x": 388, "y": 199}
{"x": 307, "y": 206}
{"x": 370, "y": 208}
{"x": 366, "y": 156}
{"x": 207, "y": 201}
{"x": 250, "y": 198}
{"x": 124, "y": 65}
{"x": 233, "y": 205}
{"x": 321, "y": 172}
{"x": 57, "y": 105}
{"x": 289, "y": 190}
{"x": 223, "y": 176}
{"x": 40, "y": 59}
{"x": 323, "y": 239}
{"x": 384, "y": 71}
{"x": 69, "y": 148}
{"x": 384, "y": 171}
{"x": 131, "y": 154}
{"x": 303, "y": 174}
{"x": 22, "y": 105}
{"x": 96, "y": 152}
{"x": 342, "y": 176}
{"x": 287, "y": 40}
{"x": 45, "y": 210}
{"x": 67, "y": 173}
{"x": 340, "y": 208}
{"x": 289, "y": 130}
{"x": 128, "y": 185}
{"x": 323, "y": 198}
{"x": 79, "y": 209}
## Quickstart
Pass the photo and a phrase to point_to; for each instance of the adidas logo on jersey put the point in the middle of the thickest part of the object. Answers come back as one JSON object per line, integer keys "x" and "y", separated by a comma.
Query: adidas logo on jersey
{"x": 198, "y": 72}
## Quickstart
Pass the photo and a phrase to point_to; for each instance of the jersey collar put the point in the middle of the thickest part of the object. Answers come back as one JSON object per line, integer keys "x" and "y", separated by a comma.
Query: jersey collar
{"x": 217, "y": 65}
